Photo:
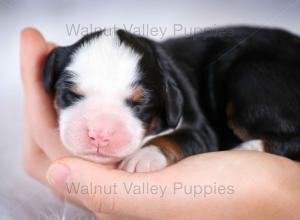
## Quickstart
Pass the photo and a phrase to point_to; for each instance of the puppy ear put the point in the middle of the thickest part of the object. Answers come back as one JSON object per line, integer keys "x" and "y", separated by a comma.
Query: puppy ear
{"x": 174, "y": 103}
{"x": 54, "y": 66}
{"x": 173, "y": 96}
{"x": 50, "y": 73}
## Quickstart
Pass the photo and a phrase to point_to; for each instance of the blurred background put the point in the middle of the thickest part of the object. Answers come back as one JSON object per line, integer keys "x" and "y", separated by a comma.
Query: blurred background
{"x": 63, "y": 22}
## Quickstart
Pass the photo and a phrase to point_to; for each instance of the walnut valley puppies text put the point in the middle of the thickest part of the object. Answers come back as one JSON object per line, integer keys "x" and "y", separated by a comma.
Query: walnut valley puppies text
{"x": 148, "y": 189}
{"x": 158, "y": 31}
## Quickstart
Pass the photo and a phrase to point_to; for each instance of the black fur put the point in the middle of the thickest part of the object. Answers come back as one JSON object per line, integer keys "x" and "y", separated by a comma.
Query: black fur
{"x": 256, "y": 71}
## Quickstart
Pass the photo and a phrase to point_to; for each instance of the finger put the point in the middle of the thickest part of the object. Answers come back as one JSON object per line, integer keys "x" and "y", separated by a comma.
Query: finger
{"x": 34, "y": 160}
{"x": 51, "y": 46}
{"x": 33, "y": 52}
{"x": 69, "y": 174}
{"x": 41, "y": 113}
{"x": 34, "y": 49}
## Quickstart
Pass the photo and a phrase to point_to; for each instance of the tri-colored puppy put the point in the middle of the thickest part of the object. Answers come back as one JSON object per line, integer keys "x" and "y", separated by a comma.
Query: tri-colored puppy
{"x": 148, "y": 104}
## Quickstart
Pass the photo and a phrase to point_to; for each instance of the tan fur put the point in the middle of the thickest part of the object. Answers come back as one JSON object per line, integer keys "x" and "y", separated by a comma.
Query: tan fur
{"x": 137, "y": 94}
{"x": 234, "y": 125}
{"x": 168, "y": 147}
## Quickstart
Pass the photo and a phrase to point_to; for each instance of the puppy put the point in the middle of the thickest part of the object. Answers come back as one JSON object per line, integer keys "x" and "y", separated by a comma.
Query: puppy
{"x": 125, "y": 98}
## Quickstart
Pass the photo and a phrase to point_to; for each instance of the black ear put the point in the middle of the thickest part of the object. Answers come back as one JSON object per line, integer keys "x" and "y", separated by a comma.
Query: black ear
{"x": 174, "y": 103}
{"x": 54, "y": 66}
{"x": 50, "y": 71}
{"x": 173, "y": 96}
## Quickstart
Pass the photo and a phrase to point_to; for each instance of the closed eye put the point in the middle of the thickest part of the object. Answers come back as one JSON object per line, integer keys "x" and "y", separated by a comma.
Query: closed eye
{"x": 132, "y": 102}
{"x": 135, "y": 105}
{"x": 72, "y": 96}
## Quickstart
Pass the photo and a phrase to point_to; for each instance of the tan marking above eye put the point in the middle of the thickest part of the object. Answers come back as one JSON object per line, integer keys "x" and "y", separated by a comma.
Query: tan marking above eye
{"x": 137, "y": 94}
{"x": 77, "y": 90}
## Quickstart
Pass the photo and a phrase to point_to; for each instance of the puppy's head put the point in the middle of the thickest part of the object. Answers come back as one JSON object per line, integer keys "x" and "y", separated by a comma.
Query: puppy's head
{"x": 111, "y": 92}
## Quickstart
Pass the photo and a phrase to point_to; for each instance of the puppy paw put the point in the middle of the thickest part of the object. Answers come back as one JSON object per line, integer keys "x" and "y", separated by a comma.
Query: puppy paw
{"x": 144, "y": 160}
{"x": 256, "y": 145}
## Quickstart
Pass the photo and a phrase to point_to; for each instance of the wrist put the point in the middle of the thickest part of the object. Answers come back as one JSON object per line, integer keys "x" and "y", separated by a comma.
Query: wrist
{"x": 280, "y": 191}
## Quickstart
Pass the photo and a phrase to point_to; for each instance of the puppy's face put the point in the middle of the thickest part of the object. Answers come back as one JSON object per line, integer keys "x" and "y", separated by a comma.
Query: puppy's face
{"x": 110, "y": 94}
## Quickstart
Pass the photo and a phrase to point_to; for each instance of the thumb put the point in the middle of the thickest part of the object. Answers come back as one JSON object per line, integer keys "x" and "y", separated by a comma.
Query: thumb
{"x": 102, "y": 189}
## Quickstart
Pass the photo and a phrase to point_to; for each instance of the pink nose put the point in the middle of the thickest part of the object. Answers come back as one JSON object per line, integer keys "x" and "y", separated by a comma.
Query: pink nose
{"x": 101, "y": 137}
{"x": 107, "y": 131}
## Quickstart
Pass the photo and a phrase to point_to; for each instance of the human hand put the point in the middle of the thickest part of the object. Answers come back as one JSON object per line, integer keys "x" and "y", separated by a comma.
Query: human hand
{"x": 264, "y": 186}
{"x": 41, "y": 140}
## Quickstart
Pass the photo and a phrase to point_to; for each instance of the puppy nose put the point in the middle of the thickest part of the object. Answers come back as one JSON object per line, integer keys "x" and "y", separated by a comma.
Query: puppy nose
{"x": 100, "y": 137}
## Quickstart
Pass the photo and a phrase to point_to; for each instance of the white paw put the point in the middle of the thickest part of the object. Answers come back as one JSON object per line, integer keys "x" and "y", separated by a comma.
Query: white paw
{"x": 256, "y": 145}
{"x": 144, "y": 160}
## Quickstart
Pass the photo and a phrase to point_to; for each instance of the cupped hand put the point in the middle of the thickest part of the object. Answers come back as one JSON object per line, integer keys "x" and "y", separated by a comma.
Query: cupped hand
{"x": 41, "y": 140}
{"x": 222, "y": 185}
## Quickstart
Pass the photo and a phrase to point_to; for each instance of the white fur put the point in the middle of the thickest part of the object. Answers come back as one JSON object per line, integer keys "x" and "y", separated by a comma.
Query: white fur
{"x": 147, "y": 159}
{"x": 105, "y": 67}
{"x": 103, "y": 71}
{"x": 256, "y": 145}
{"x": 168, "y": 131}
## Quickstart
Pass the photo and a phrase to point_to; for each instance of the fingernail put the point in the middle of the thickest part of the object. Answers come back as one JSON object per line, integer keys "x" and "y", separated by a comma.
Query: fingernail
{"x": 58, "y": 175}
